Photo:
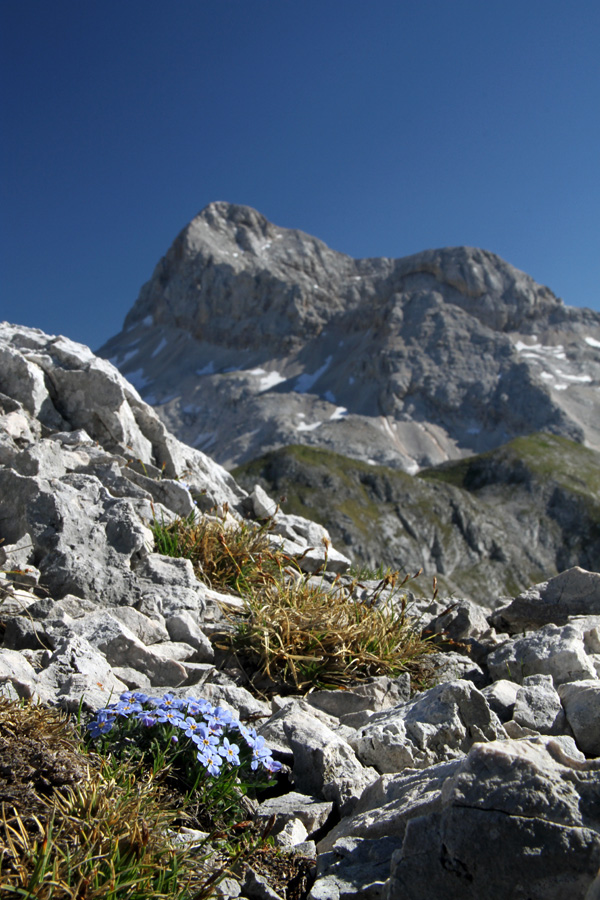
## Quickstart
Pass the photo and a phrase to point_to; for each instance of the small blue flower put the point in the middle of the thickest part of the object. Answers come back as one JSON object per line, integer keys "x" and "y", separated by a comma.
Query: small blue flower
{"x": 222, "y": 716}
{"x": 147, "y": 718}
{"x": 168, "y": 715}
{"x": 230, "y": 752}
{"x": 190, "y": 726}
{"x": 102, "y": 724}
{"x": 260, "y": 752}
{"x": 140, "y": 697}
{"x": 205, "y": 738}
{"x": 196, "y": 707}
{"x": 271, "y": 765}
{"x": 212, "y": 761}
{"x": 169, "y": 701}
{"x": 249, "y": 734}
{"x": 127, "y": 707}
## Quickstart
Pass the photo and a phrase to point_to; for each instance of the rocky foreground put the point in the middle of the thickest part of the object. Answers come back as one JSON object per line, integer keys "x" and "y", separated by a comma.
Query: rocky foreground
{"x": 484, "y": 786}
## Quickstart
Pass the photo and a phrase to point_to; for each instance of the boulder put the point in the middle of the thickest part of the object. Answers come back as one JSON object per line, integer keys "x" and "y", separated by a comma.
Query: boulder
{"x": 574, "y": 592}
{"x": 581, "y": 701}
{"x": 438, "y": 725}
{"x": 518, "y": 819}
{"x": 538, "y": 706}
{"x": 554, "y": 650}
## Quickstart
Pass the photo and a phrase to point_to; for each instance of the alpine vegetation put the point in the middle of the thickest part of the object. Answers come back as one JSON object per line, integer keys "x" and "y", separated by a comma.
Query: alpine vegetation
{"x": 211, "y": 752}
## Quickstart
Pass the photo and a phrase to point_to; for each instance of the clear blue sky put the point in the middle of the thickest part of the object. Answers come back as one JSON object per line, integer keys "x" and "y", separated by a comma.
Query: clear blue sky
{"x": 383, "y": 127}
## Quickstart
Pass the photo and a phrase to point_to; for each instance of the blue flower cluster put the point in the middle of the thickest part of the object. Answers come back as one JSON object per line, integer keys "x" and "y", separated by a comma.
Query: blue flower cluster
{"x": 218, "y": 736}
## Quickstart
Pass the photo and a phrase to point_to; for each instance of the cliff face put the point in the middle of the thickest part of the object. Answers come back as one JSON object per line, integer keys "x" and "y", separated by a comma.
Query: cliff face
{"x": 250, "y": 337}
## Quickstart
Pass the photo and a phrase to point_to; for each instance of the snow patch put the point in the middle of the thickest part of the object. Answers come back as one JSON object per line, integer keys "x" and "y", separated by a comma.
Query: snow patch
{"x": 148, "y": 321}
{"x": 329, "y": 396}
{"x": 305, "y": 382}
{"x": 532, "y": 351}
{"x": 547, "y": 376}
{"x": 209, "y": 369}
{"x": 581, "y": 378}
{"x": 560, "y": 387}
{"x": 267, "y": 379}
{"x": 592, "y": 342}
{"x": 303, "y": 427}
{"x": 351, "y": 380}
{"x": 339, "y": 413}
{"x": 160, "y": 347}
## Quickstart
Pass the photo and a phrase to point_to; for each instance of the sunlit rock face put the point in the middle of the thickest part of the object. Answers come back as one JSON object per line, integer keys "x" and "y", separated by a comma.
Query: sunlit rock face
{"x": 249, "y": 337}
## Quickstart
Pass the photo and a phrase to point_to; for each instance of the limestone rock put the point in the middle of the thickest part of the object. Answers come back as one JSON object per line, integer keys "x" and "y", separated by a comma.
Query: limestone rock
{"x": 553, "y": 650}
{"x": 439, "y": 724}
{"x": 518, "y": 819}
{"x": 538, "y": 706}
{"x": 581, "y": 700}
{"x": 572, "y": 593}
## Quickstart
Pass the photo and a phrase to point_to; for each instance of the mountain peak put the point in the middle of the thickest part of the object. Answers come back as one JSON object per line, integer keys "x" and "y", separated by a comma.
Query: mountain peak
{"x": 250, "y": 336}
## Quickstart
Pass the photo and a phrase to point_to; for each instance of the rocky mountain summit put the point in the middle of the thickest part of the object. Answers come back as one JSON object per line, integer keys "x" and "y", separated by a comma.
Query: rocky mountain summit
{"x": 484, "y": 786}
{"x": 250, "y": 337}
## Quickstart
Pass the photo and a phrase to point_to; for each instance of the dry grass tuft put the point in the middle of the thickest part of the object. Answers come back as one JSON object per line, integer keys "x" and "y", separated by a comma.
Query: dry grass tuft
{"x": 308, "y": 636}
{"x": 229, "y": 557}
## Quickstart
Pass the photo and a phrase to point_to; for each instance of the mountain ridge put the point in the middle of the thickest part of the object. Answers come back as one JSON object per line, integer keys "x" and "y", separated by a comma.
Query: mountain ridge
{"x": 250, "y": 337}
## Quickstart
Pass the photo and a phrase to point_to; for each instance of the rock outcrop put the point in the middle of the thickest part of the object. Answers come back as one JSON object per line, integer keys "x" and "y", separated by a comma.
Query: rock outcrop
{"x": 249, "y": 337}
{"x": 485, "y": 785}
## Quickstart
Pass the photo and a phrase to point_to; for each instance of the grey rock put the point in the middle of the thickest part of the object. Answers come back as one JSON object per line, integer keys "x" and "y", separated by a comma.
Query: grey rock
{"x": 171, "y": 494}
{"x": 538, "y": 706}
{"x": 285, "y": 709}
{"x": 439, "y": 724}
{"x": 146, "y": 629}
{"x": 354, "y": 868}
{"x": 364, "y": 698}
{"x": 454, "y": 667}
{"x": 177, "y": 650}
{"x": 324, "y": 764}
{"x": 121, "y": 647}
{"x": 463, "y": 620}
{"x": 572, "y": 593}
{"x": 581, "y": 700}
{"x": 554, "y": 650}
{"x": 17, "y": 672}
{"x": 256, "y": 887}
{"x": 169, "y": 586}
{"x": 134, "y": 680}
{"x": 501, "y": 697}
{"x": 24, "y": 634}
{"x": 291, "y": 834}
{"x": 389, "y": 803}
{"x": 313, "y": 813}
{"x": 183, "y": 627}
{"x": 77, "y": 673}
{"x": 525, "y": 809}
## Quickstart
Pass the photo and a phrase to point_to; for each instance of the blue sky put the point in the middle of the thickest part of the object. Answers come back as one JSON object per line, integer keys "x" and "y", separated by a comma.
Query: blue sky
{"x": 382, "y": 127}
